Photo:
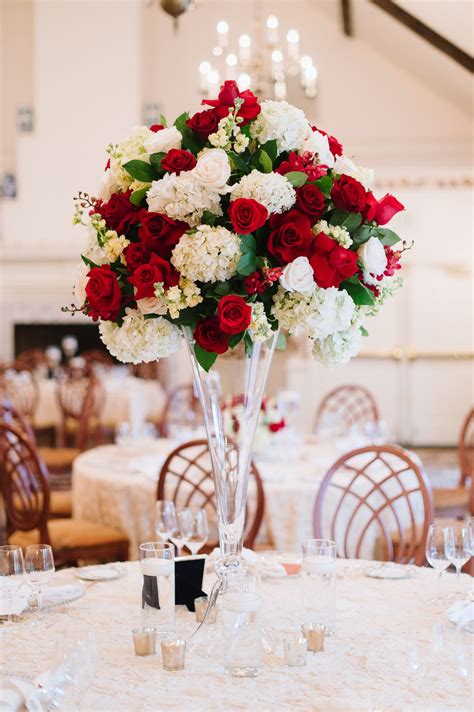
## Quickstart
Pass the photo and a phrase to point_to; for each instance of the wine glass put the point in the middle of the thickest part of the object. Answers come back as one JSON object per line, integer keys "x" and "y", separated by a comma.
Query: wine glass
{"x": 174, "y": 532}
{"x": 39, "y": 565}
{"x": 164, "y": 507}
{"x": 458, "y": 546}
{"x": 194, "y": 527}
{"x": 436, "y": 552}
{"x": 12, "y": 572}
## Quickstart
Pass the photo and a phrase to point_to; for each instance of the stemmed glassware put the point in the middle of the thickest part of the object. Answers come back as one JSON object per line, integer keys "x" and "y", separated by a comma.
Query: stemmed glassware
{"x": 436, "y": 553}
{"x": 458, "y": 546}
{"x": 165, "y": 512}
{"x": 174, "y": 532}
{"x": 12, "y": 573}
{"x": 194, "y": 528}
{"x": 39, "y": 565}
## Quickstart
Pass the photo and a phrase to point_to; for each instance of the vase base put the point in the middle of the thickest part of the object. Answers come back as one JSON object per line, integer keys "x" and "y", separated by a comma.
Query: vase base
{"x": 242, "y": 671}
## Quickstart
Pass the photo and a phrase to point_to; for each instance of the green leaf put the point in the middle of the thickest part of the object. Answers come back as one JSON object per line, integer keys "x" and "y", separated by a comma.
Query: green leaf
{"x": 364, "y": 331}
{"x": 359, "y": 293}
{"x": 361, "y": 235}
{"x": 163, "y": 121}
{"x": 155, "y": 160}
{"x": 350, "y": 221}
{"x": 264, "y": 161}
{"x": 239, "y": 163}
{"x": 189, "y": 141}
{"x": 137, "y": 196}
{"x": 235, "y": 339}
{"x": 281, "y": 342}
{"x": 205, "y": 358}
{"x": 248, "y": 344}
{"x": 271, "y": 149}
{"x": 296, "y": 178}
{"x": 325, "y": 185}
{"x": 88, "y": 262}
{"x": 140, "y": 170}
{"x": 386, "y": 236}
{"x": 246, "y": 264}
{"x": 209, "y": 218}
{"x": 248, "y": 243}
{"x": 222, "y": 288}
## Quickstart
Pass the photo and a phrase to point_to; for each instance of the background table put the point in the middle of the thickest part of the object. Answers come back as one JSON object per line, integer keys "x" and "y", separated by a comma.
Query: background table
{"x": 365, "y": 665}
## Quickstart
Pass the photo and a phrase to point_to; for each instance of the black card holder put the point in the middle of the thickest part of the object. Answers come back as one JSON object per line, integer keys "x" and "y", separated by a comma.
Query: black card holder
{"x": 189, "y": 573}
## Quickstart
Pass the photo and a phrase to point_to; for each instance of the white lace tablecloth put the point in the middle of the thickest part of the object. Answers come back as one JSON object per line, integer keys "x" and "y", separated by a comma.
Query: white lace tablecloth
{"x": 365, "y": 666}
{"x": 127, "y": 399}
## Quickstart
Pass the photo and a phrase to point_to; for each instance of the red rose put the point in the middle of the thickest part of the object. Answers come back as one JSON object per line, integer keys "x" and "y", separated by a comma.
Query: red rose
{"x": 334, "y": 145}
{"x": 370, "y": 208}
{"x": 136, "y": 254}
{"x": 228, "y": 93}
{"x": 331, "y": 263}
{"x": 234, "y": 314}
{"x": 104, "y": 296}
{"x": 204, "y": 123}
{"x": 305, "y": 164}
{"x": 291, "y": 236}
{"x": 160, "y": 233}
{"x": 247, "y": 215}
{"x": 348, "y": 194}
{"x": 387, "y": 207}
{"x": 310, "y": 201}
{"x": 119, "y": 213}
{"x": 156, "y": 270}
{"x": 177, "y": 160}
{"x": 210, "y": 337}
{"x": 156, "y": 127}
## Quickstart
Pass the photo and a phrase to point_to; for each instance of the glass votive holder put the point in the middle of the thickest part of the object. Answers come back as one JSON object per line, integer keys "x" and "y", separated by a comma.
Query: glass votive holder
{"x": 295, "y": 647}
{"x": 173, "y": 652}
{"x": 200, "y": 607}
{"x": 314, "y": 634}
{"x": 144, "y": 640}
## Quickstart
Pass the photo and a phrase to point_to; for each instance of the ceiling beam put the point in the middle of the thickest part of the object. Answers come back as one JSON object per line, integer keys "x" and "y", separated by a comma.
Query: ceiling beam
{"x": 422, "y": 30}
{"x": 346, "y": 15}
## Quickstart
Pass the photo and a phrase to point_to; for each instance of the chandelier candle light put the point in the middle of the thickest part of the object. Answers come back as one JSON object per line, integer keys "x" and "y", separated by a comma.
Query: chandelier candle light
{"x": 224, "y": 228}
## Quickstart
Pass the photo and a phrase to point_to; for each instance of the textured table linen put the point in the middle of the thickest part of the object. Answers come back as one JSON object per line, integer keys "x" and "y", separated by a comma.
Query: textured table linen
{"x": 365, "y": 666}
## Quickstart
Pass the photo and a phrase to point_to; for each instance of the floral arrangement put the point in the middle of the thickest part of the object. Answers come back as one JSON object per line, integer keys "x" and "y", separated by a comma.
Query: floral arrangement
{"x": 235, "y": 222}
{"x": 270, "y": 420}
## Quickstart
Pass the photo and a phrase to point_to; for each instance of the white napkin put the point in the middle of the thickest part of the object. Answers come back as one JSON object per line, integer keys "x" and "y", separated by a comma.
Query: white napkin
{"x": 14, "y": 693}
{"x": 271, "y": 568}
{"x": 461, "y": 613}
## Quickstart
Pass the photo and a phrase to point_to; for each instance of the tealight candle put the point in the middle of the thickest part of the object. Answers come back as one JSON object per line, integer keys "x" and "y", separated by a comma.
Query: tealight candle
{"x": 144, "y": 640}
{"x": 295, "y": 647}
{"x": 314, "y": 634}
{"x": 173, "y": 652}
{"x": 200, "y": 607}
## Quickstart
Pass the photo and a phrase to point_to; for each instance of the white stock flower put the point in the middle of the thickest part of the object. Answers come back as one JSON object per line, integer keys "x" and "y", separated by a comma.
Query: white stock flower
{"x": 373, "y": 257}
{"x": 210, "y": 254}
{"x": 318, "y": 313}
{"x": 281, "y": 121}
{"x": 316, "y": 142}
{"x": 338, "y": 349}
{"x": 345, "y": 166}
{"x": 140, "y": 340}
{"x": 259, "y": 328}
{"x": 163, "y": 140}
{"x": 298, "y": 276}
{"x": 336, "y": 232}
{"x": 212, "y": 170}
{"x": 133, "y": 146}
{"x": 80, "y": 283}
{"x": 115, "y": 245}
{"x": 272, "y": 190}
{"x": 94, "y": 252}
{"x": 109, "y": 184}
{"x": 183, "y": 198}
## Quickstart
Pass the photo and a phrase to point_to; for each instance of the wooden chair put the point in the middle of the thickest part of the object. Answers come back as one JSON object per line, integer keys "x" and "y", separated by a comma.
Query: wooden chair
{"x": 345, "y": 407}
{"x": 186, "y": 479}
{"x": 33, "y": 359}
{"x": 375, "y": 493}
{"x": 181, "y": 407}
{"x": 26, "y": 494}
{"x": 458, "y": 501}
{"x": 96, "y": 357}
{"x": 19, "y": 385}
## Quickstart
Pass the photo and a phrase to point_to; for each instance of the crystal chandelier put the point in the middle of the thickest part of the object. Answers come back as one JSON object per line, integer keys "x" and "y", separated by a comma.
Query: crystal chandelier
{"x": 262, "y": 60}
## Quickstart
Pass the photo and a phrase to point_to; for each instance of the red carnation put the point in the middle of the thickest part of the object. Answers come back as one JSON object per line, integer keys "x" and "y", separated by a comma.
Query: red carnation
{"x": 203, "y": 123}
{"x": 119, "y": 213}
{"x": 334, "y": 145}
{"x": 136, "y": 254}
{"x": 177, "y": 160}
{"x": 348, "y": 194}
{"x": 310, "y": 201}
{"x": 228, "y": 93}
{"x": 387, "y": 207}
{"x": 291, "y": 236}
{"x": 104, "y": 296}
{"x": 331, "y": 263}
{"x": 160, "y": 233}
{"x": 210, "y": 337}
{"x": 156, "y": 270}
{"x": 234, "y": 314}
{"x": 247, "y": 215}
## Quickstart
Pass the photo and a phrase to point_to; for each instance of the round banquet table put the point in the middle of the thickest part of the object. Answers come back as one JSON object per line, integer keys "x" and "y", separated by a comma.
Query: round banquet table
{"x": 117, "y": 486}
{"x": 366, "y": 665}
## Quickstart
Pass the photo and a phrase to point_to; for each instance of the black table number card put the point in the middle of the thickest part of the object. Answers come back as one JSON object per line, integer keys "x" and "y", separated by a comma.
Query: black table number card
{"x": 189, "y": 573}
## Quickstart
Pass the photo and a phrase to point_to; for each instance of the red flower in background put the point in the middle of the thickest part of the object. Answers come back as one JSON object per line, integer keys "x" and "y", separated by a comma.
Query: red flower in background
{"x": 104, "y": 296}
{"x": 387, "y": 207}
{"x": 225, "y": 100}
{"x": 210, "y": 337}
{"x": 234, "y": 314}
{"x": 146, "y": 275}
{"x": 136, "y": 254}
{"x": 291, "y": 236}
{"x": 275, "y": 427}
{"x": 331, "y": 263}
{"x": 177, "y": 160}
{"x": 370, "y": 207}
{"x": 334, "y": 145}
{"x": 159, "y": 233}
{"x": 304, "y": 164}
{"x": 156, "y": 127}
{"x": 247, "y": 215}
{"x": 203, "y": 123}
{"x": 310, "y": 201}
{"x": 348, "y": 194}
{"x": 119, "y": 213}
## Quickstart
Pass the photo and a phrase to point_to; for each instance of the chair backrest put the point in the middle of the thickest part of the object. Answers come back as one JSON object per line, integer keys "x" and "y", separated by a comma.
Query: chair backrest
{"x": 24, "y": 483}
{"x": 81, "y": 400}
{"x": 375, "y": 498}
{"x": 182, "y": 409}
{"x": 19, "y": 385}
{"x": 32, "y": 358}
{"x": 95, "y": 357}
{"x": 11, "y": 415}
{"x": 186, "y": 479}
{"x": 466, "y": 449}
{"x": 345, "y": 407}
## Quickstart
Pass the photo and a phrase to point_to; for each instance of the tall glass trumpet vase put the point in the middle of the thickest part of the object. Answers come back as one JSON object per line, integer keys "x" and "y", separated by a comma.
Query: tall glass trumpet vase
{"x": 236, "y": 381}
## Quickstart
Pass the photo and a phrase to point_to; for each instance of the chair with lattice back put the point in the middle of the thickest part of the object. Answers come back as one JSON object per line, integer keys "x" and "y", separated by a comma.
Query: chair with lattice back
{"x": 186, "y": 479}
{"x": 18, "y": 384}
{"x": 346, "y": 407}
{"x": 182, "y": 410}
{"x": 458, "y": 501}
{"x": 375, "y": 502}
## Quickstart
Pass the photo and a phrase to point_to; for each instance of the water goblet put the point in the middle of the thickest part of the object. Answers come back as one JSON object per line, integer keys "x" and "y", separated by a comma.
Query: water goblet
{"x": 12, "y": 571}
{"x": 164, "y": 508}
{"x": 458, "y": 547}
{"x": 435, "y": 551}
{"x": 175, "y": 534}
{"x": 39, "y": 566}
{"x": 194, "y": 528}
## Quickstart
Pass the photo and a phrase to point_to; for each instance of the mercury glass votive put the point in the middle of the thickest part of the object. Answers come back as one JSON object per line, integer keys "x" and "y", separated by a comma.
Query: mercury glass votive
{"x": 173, "y": 652}
{"x": 295, "y": 647}
{"x": 314, "y": 634}
{"x": 200, "y": 607}
{"x": 144, "y": 640}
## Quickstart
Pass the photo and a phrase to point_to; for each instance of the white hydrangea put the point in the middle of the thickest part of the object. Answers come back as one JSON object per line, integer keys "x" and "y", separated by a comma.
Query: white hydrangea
{"x": 133, "y": 146}
{"x": 140, "y": 340}
{"x": 338, "y": 349}
{"x": 281, "y": 121}
{"x": 346, "y": 166}
{"x": 336, "y": 232}
{"x": 272, "y": 190}
{"x": 259, "y": 329}
{"x": 210, "y": 254}
{"x": 183, "y": 197}
{"x": 318, "y": 314}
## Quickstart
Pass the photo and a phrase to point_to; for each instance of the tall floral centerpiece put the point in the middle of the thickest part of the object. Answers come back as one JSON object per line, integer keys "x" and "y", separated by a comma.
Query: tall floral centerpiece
{"x": 222, "y": 229}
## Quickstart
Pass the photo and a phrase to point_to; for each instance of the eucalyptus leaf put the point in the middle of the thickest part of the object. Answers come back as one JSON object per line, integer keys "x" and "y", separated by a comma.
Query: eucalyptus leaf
{"x": 248, "y": 243}
{"x": 246, "y": 264}
{"x": 140, "y": 170}
{"x": 209, "y": 218}
{"x": 361, "y": 235}
{"x": 281, "y": 342}
{"x": 386, "y": 236}
{"x": 296, "y": 178}
{"x": 325, "y": 185}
